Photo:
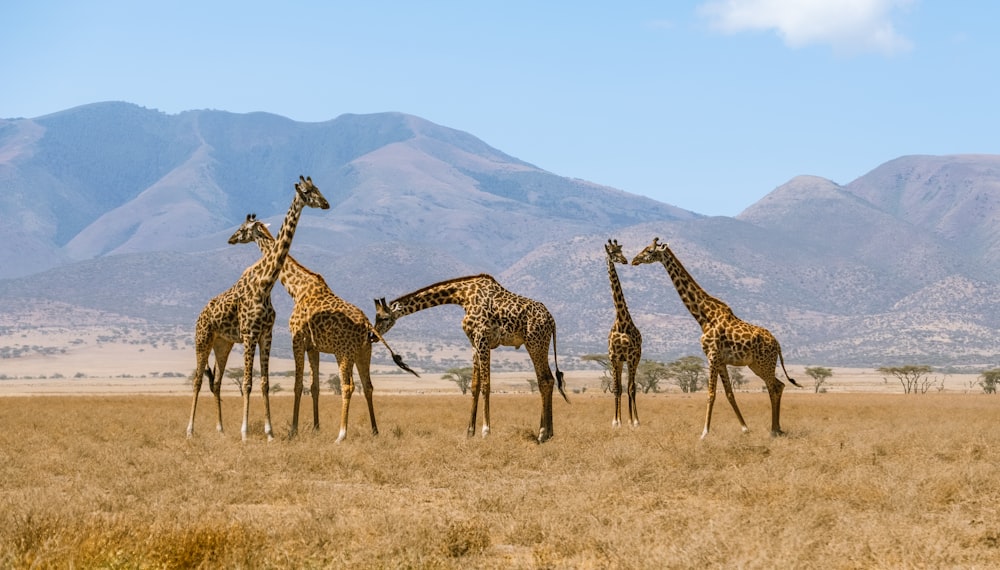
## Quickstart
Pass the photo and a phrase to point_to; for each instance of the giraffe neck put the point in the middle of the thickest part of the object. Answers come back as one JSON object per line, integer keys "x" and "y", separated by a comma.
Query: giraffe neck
{"x": 621, "y": 309}
{"x": 297, "y": 278}
{"x": 274, "y": 259}
{"x": 702, "y": 306}
{"x": 453, "y": 292}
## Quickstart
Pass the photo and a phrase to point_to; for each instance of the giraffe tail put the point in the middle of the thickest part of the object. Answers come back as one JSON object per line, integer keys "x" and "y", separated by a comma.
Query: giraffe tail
{"x": 374, "y": 336}
{"x": 559, "y": 375}
{"x": 210, "y": 374}
{"x": 782, "y": 359}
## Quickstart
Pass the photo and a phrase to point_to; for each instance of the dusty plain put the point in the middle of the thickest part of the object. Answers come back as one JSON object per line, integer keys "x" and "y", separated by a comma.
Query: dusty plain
{"x": 96, "y": 472}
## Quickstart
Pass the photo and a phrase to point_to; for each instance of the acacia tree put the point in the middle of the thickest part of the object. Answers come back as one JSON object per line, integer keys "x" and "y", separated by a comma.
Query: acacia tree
{"x": 914, "y": 378}
{"x": 988, "y": 379}
{"x": 688, "y": 372}
{"x": 460, "y": 376}
{"x": 819, "y": 376}
{"x": 737, "y": 377}
{"x": 649, "y": 374}
{"x": 605, "y": 361}
{"x": 333, "y": 381}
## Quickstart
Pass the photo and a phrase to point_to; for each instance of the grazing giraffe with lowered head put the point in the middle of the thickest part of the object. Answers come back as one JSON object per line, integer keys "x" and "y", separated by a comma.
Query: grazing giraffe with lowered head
{"x": 322, "y": 322}
{"x": 244, "y": 314}
{"x": 624, "y": 340}
{"x": 494, "y": 316}
{"x": 725, "y": 339}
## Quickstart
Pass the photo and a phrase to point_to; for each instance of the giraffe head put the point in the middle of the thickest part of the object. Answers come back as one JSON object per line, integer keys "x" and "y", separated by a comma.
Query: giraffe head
{"x": 250, "y": 230}
{"x": 654, "y": 252}
{"x": 615, "y": 252}
{"x": 385, "y": 317}
{"x": 309, "y": 193}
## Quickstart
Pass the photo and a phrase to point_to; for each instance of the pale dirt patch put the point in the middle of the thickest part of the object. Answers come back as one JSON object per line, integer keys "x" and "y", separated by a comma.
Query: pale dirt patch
{"x": 98, "y": 361}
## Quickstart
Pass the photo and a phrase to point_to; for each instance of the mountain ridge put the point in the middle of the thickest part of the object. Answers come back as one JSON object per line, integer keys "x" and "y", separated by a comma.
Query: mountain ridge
{"x": 124, "y": 210}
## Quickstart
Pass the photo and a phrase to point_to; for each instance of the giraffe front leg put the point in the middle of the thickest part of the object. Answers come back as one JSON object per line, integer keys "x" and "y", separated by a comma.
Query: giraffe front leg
{"x": 265, "y": 384}
{"x": 346, "y": 390}
{"x": 477, "y": 375}
{"x": 486, "y": 403}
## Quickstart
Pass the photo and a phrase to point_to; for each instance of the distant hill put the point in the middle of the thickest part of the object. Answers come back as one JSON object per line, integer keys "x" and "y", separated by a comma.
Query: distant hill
{"x": 114, "y": 178}
{"x": 114, "y": 208}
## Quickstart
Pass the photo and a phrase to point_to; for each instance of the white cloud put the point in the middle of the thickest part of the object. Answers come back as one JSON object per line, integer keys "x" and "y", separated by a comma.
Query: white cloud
{"x": 849, "y": 26}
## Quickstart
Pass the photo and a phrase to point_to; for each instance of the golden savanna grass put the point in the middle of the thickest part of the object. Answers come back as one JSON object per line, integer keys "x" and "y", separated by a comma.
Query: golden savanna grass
{"x": 860, "y": 481}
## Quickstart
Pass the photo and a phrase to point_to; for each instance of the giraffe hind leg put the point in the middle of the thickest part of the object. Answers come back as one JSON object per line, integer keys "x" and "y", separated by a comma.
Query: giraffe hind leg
{"x": 727, "y": 385}
{"x": 363, "y": 364}
{"x": 774, "y": 390}
{"x": 222, "y": 350}
{"x": 346, "y": 391}
{"x": 299, "y": 357}
{"x": 616, "y": 387}
{"x": 314, "y": 386}
{"x": 633, "y": 408}
{"x": 199, "y": 372}
{"x": 265, "y": 389}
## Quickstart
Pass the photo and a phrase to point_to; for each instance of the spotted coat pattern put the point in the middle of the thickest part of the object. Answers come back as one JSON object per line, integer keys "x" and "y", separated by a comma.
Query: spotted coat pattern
{"x": 624, "y": 340}
{"x": 322, "y": 322}
{"x": 494, "y": 316}
{"x": 726, "y": 340}
{"x": 244, "y": 314}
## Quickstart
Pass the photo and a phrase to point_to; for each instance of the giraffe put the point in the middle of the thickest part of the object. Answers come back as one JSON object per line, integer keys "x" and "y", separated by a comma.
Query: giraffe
{"x": 624, "y": 340}
{"x": 494, "y": 316}
{"x": 244, "y": 314}
{"x": 726, "y": 340}
{"x": 322, "y": 322}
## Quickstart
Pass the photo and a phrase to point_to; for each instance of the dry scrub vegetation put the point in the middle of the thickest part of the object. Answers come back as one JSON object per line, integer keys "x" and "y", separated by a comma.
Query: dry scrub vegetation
{"x": 861, "y": 480}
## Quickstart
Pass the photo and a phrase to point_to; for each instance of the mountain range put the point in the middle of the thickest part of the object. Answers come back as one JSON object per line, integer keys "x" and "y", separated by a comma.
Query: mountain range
{"x": 123, "y": 212}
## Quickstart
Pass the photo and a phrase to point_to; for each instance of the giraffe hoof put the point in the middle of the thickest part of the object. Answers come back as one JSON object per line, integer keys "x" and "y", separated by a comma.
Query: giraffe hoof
{"x": 616, "y": 423}
{"x": 543, "y": 435}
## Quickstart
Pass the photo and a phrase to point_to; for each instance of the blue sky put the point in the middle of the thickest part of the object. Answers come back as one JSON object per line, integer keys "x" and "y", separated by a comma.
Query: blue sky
{"x": 706, "y": 105}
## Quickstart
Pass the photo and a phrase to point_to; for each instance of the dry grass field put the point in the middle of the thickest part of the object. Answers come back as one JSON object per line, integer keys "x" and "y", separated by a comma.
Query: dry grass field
{"x": 861, "y": 481}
